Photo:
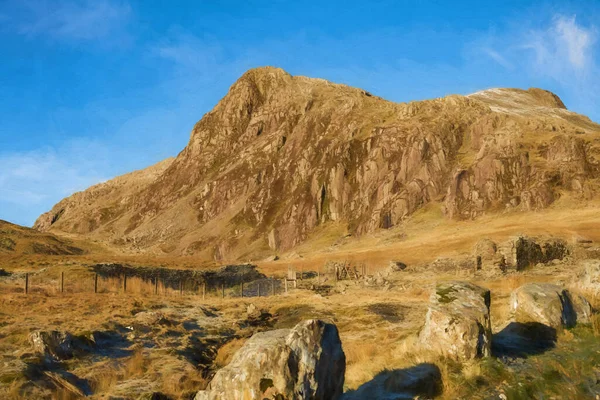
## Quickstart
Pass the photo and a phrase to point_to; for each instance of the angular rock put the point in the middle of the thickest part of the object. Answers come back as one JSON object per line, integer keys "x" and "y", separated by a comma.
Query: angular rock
{"x": 487, "y": 256}
{"x": 522, "y": 252}
{"x": 589, "y": 278}
{"x": 150, "y": 318}
{"x": 550, "y": 305}
{"x": 305, "y": 362}
{"x": 458, "y": 321}
{"x": 486, "y": 249}
{"x": 57, "y": 345}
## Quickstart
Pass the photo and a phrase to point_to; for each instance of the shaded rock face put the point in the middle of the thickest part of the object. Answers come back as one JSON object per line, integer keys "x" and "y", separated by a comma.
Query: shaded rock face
{"x": 53, "y": 344}
{"x": 58, "y": 345}
{"x": 305, "y": 362}
{"x": 458, "y": 321}
{"x": 549, "y": 305}
{"x": 280, "y": 155}
{"x": 522, "y": 251}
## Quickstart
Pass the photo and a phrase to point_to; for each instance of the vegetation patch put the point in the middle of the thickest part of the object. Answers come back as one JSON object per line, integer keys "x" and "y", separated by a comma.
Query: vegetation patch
{"x": 444, "y": 294}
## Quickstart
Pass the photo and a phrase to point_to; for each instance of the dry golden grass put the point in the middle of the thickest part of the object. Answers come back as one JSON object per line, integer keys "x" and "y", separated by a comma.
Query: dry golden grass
{"x": 227, "y": 351}
{"x": 374, "y": 339}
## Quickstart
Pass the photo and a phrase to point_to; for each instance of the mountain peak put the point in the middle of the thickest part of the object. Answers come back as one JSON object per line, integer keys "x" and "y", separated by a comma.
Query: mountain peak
{"x": 520, "y": 99}
{"x": 281, "y": 157}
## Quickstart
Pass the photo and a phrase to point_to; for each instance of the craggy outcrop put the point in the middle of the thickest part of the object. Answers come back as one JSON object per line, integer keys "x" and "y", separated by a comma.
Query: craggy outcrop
{"x": 550, "y": 305}
{"x": 521, "y": 252}
{"x": 305, "y": 362}
{"x": 280, "y": 155}
{"x": 458, "y": 321}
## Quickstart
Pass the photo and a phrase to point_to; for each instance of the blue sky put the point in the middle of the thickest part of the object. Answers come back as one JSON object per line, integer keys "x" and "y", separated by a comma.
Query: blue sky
{"x": 91, "y": 89}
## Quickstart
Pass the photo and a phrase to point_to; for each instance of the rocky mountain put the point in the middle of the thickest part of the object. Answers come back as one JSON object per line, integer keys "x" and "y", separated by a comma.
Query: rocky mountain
{"x": 281, "y": 155}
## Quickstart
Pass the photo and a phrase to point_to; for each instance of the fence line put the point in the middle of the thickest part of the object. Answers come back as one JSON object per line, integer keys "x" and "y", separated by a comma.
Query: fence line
{"x": 229, "y": 287}
{"x": 95, "y": 283}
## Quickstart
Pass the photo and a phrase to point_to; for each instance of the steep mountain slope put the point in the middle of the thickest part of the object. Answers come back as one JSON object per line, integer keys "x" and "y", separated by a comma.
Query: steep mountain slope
{"x": 279, "y": 156}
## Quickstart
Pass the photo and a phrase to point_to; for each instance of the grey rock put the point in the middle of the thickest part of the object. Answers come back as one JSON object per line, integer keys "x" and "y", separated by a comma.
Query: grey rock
{"x": 305, "y": 362}
{"x": 458, "y": 321}
{"x": 550, "y": 305}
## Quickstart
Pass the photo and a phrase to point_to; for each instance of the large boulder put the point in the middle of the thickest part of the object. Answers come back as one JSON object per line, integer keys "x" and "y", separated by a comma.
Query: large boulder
{"x": 458, "y": 321}
{"x": 305, "y": 362}
{"x": 550, "y": 305}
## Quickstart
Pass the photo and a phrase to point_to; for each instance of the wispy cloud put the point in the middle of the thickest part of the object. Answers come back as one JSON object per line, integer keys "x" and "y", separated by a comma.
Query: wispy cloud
{"x": 499, "y": 58}
{"x": 189, "y": 52}
{"x": 564, "y": 50}
{"x": 78, "y": 20}
{"x": 560, "y": 53}
{"x": 34, "y": 180}
{"x": 562, "y": 46}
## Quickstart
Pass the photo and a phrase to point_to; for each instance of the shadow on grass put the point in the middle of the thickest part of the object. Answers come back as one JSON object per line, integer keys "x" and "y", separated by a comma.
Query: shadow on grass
{"x": 113, "y": 343}
{"x": 520, "y": 340}
{"x": 422, "y": 381}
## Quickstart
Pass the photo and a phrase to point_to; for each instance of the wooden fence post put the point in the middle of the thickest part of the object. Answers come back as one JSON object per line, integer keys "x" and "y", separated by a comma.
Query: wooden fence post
{"x": 285, "y": 283}
{"x": 96, "y": 283}
{"x": 62, "y": 281}
{"x": 258, "y": 289}
{"x": 222, "y": 290}
{"x": 156, "y": 285}
{"x": 26, "y": 282}
{"x": 203, "y": 290}
{"x": 124, "y": 283}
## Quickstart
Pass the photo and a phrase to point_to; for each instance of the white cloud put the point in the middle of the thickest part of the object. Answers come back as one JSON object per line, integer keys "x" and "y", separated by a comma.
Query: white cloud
{"x": 33, "y": 181}
{"x": 575, "y": 40}
{"x": 564, "y": 50}
{"x": 78, "y": 20}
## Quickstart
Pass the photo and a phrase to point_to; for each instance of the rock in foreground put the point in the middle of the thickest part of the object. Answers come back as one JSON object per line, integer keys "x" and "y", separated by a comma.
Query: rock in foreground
{"x": 550, "y": 305}
{"x": 58, "y": 345}
{"x": 305, "y": 362}
{"x": 458, "y": 321}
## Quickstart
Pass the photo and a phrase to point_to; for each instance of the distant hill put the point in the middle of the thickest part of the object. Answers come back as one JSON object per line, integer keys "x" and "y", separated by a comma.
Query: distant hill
{"x": 18, "y": 240}
{"x": 281, "y": 156}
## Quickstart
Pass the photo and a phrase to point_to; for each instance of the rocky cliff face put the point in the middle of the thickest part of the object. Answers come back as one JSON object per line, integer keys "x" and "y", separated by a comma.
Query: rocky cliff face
{"x": 281, "y": 155}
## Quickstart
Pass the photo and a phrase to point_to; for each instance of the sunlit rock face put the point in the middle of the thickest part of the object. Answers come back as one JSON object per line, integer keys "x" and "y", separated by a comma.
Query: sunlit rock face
{"x": 280, "y": 155}
{"x": 305, "y": 362}
{"x": 458, "y": 321}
